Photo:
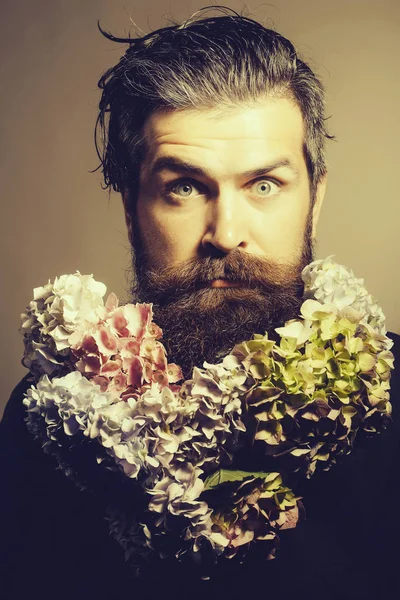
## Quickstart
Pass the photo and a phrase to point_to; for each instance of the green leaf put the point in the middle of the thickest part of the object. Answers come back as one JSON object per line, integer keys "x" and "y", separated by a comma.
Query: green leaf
{"x": 228, "y": 476}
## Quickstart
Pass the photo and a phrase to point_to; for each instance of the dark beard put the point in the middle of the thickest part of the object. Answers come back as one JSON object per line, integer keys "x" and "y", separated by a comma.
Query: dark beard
{"x": 200, "y": 323}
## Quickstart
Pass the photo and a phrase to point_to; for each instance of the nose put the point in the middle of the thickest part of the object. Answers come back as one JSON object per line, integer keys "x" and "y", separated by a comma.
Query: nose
{"x": 226, "y": 224}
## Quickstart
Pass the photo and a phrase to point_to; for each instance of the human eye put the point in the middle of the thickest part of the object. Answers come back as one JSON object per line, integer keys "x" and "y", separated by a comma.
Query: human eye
{"x": 182, "y": 190}
{"x": 265, "y": 187}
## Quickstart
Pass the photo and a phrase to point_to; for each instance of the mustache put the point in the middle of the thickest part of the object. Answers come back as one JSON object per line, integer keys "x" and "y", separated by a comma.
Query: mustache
{"x": 248, "y": 269}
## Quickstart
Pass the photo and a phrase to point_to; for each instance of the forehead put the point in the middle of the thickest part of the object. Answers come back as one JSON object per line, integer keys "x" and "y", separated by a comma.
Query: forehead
{"x": 274, "y": 127}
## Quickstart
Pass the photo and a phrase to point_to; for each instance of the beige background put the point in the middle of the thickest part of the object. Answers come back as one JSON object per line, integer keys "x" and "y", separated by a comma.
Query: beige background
{"x": 55, "y": 216}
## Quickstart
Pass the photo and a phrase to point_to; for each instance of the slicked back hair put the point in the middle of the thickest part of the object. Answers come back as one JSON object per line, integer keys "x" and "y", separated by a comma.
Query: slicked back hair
{"x": 224, "y": 62}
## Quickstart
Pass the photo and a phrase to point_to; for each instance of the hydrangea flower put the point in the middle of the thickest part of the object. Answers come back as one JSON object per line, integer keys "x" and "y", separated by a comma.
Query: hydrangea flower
{"x": 122, "y": 352}
{"x": 327, "y": 378}
{"x": 64, "y": 402}
{"x": 300, "y": 400}
{"x": 69, "y": 305}
{"x": 142, "y": 433}
{"x": 331, "y": 283}
{"x": 255, "y": 510}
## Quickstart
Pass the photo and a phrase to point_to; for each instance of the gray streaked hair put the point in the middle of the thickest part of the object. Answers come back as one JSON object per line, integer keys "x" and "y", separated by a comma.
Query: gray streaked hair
{"x": 219, "y": 62}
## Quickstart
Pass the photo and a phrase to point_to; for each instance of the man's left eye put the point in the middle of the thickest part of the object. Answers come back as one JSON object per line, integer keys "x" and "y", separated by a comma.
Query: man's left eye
{"x": 265, "y": 187}
{"x": 184, "y": 189}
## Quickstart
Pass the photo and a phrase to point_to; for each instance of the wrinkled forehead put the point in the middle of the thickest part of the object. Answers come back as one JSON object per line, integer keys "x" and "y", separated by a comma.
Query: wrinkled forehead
{"x": 270, "y": 126}
{"x": 226, "y": 142}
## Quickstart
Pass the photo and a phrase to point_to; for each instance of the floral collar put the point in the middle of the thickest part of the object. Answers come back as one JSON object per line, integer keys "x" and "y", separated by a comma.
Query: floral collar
{"x": 208, "y": 463}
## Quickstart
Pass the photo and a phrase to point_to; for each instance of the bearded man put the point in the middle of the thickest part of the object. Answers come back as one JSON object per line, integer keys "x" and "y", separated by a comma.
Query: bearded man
{"x": 213, "y": 133}
{"x": 222, "y": 178}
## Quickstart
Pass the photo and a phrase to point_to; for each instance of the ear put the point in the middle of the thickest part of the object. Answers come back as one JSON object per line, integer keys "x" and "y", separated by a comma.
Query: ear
{"x": 128, "y": 214}
{"x": 319, "y": 198}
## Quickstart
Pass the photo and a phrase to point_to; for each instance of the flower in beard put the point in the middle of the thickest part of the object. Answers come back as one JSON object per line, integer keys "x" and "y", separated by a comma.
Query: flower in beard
{"x": 122, "y": 353}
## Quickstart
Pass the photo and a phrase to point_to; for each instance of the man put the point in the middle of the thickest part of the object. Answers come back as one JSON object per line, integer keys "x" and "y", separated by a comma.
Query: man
{"x": 218, "y": 154}
{"x": 215, "y": 140}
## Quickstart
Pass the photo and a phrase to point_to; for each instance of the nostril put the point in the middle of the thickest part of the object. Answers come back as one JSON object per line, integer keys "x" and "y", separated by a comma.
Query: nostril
{"x": 213, "y": 251}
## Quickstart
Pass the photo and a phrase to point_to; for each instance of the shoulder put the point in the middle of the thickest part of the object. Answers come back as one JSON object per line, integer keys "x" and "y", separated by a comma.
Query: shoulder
{"x": 14, "y": 403}
{"x": 395, "y": 337}
{"x": 395, "y": 398}
{"x": 14, "y": 435}
{"x": 395, "y": 379}
{"x": 46, "y": 522}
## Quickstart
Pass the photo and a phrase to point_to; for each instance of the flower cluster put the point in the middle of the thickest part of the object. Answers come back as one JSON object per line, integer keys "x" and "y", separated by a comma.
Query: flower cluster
{"x": 122, "y": 353}
{"x": 327, "y": 378}
{"x": 254, "y": 510}
{"x": 64, "y": 403}
{"x": 69, "y": 326}
{"x": 331, "y": 283}
{"x": 103, "y": 377}
{"x": 71, "y": 304}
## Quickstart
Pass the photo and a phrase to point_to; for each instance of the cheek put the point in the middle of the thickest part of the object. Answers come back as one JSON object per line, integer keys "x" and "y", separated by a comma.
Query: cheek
{"x": 166, "y": 239}
{"x": 281, "y": 235}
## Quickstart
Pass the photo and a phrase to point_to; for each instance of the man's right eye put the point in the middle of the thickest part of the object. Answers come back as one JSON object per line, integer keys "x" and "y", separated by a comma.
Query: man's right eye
{"x": 182, "y": 189}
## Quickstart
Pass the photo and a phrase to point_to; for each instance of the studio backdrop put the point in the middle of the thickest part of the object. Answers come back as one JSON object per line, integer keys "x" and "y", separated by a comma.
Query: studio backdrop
{"x": 57, "y": 219}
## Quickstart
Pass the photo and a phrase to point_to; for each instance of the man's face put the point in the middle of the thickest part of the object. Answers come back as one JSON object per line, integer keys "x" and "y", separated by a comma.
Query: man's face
{"x": 224, "y": 222}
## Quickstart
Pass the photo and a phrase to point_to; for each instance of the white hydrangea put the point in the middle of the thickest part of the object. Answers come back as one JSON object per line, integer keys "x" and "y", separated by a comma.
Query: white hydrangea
{"x": 144, "y": 433}
{"x": 212, "y": 417}
{"x": 331, "y": 283}
{"x": 112, "y": 426}
{"x": 64, "y": 401}
{"x": 215, "y": 393}
{"x": 69, "y": 305}
{"x": 177, "y": 493}
{"x": 171, "y": 436}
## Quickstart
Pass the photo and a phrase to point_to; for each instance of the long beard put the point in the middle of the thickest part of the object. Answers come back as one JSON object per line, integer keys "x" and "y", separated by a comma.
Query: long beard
{"x": 201, "y": 323}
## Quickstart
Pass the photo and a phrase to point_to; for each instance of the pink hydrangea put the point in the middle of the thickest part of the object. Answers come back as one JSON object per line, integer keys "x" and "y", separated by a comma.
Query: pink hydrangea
{"x": 122, "y": 352}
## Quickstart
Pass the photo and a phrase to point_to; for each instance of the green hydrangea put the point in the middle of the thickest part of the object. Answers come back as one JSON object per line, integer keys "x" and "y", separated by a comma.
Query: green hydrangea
{"x": 324, "y": 380}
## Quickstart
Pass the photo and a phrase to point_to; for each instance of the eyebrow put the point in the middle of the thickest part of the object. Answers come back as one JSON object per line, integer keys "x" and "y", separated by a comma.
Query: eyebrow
{"x": 172, "y": 163}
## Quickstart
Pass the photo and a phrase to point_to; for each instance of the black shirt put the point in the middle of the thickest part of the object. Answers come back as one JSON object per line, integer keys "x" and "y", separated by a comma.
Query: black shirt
{"x": 55, "y": 542}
